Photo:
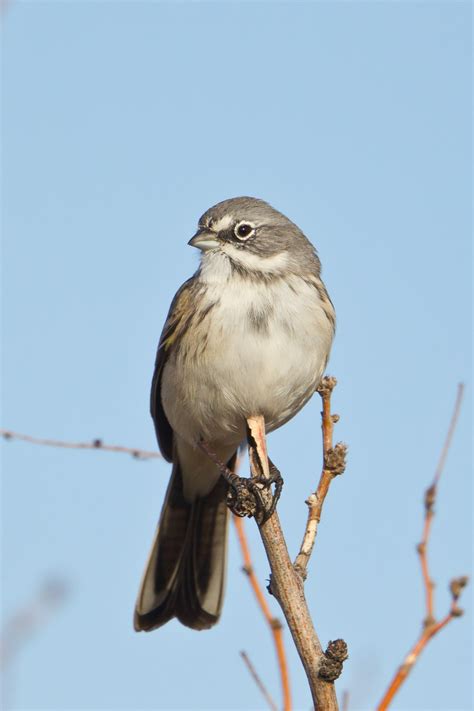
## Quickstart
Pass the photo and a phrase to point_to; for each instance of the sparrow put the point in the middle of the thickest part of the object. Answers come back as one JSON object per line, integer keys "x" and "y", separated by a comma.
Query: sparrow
{"x": 248, "y": 334}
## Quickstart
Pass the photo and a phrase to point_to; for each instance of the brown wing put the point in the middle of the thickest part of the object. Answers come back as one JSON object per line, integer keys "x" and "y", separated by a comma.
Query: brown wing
{"x": 176, "y": 323}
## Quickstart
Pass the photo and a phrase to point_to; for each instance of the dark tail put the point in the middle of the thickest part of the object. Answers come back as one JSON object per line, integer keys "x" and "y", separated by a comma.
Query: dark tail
{"x": 185, "y": 573}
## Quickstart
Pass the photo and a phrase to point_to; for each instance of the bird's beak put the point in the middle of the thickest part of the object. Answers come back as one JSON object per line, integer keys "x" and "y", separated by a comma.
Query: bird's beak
{"x": 204, "y": 239}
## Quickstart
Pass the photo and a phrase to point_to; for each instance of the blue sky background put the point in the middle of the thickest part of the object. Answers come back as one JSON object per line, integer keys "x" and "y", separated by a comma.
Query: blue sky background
{"x": 122, "y": 123}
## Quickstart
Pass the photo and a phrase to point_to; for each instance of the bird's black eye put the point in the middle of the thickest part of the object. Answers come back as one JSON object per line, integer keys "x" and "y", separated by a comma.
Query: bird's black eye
{"x": 243, "y": 230}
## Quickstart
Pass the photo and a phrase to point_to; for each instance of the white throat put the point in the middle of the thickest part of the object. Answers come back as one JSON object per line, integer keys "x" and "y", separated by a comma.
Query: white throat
{"x": 216, "y": 264}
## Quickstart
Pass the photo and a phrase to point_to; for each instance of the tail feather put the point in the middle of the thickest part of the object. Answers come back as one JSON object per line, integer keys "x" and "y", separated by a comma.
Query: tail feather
{"x": 185, "y": 573}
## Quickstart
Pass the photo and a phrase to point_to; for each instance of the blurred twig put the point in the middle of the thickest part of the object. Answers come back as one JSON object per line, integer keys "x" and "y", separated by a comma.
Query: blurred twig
{"x": 345, "y": 701}
{"x": 24, "y": 622}
{"x": 334, "y": 462}
{"x": 258, "y": 681}
{"x": 431, "y": 627}
{"x": 95, "y": 444}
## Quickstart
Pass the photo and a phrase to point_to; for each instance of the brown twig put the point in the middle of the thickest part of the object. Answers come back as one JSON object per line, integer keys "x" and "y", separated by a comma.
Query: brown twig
{"x": 273, "y": 622}
{"x": 334, "y": 462}
{"x": 258, "y": 681}
{"x": 430, "y": 627}
{"x": 430, "y": 499}
{"x": 95, "y": 444}
{"x": 287, "y": 586}
{"x": 412, "y": 656}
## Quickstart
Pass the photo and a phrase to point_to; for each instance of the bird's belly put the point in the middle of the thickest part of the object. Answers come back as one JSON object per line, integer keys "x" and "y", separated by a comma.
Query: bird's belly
{"x": 266, "y": 374}
{"x": 243, "y": 370}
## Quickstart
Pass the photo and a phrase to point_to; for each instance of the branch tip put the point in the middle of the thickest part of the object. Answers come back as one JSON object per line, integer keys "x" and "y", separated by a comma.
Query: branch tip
{"x": 457, "y": 585}
{"x": 327, "y": 385}
{"x": 334, "y": 464}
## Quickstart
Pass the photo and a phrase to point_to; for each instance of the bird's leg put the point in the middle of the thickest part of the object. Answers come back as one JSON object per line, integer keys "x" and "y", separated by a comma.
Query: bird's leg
{"x": 264, "y": 472}
{"x": 244, "y": 497}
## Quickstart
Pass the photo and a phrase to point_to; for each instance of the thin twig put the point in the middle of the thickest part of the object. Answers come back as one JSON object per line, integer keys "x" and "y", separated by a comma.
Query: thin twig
{"x": 23, "y": 623}
{"x": 334, "y": 461}
{"x": 430, "y": 626}
{"x": 287, "y": 586}
{"x": 95, "y": 444}
{"x": 273, "y": 622}
{"x": 430, "y": 498}
{"x": 258, "y": 681}
{"x": 345, "y": 701}
{"x": 414, "y": 653}
{"x": 449, "y": 436}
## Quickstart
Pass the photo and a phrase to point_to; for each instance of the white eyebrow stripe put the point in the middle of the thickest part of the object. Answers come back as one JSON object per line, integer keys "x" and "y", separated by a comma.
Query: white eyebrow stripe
{"x": 222, "y": 224}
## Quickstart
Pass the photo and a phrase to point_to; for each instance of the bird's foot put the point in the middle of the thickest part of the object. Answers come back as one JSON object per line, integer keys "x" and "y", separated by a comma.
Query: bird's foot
{"x": 245, "y": 496}
{"x": 252, "y": 496}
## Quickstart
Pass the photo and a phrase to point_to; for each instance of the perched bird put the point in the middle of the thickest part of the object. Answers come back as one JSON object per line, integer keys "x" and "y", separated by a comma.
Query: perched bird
{"x": 248, "y": 334}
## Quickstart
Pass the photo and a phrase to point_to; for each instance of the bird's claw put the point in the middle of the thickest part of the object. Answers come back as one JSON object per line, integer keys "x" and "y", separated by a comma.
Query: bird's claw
{"x": 243, "y": 498}
{"x": 246, "y": 497}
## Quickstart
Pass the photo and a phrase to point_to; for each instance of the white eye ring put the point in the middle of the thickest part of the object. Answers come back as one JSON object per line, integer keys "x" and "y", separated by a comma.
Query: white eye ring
{"x": 243, "y": 230}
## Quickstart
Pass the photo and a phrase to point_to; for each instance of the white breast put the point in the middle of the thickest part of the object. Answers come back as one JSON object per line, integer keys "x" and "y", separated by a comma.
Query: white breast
{"x": 267, "y": 344}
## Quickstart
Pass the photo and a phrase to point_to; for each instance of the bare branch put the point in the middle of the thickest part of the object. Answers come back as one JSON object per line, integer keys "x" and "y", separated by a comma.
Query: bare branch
{"x": 430, "y": 627}
{"x": 287, "y": 586}
{"x": 273, "y": 622}
{"x": 334, "y": 463}
{"x": 258, "y": 681}
{"x": 95, "y": 444}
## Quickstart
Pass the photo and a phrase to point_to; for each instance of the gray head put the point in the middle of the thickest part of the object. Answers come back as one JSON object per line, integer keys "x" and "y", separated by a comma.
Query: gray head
{"x": 255, "y": 237}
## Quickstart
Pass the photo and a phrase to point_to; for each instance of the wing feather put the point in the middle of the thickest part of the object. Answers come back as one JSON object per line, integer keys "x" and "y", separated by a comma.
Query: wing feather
{"x": 176, "y": 322}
